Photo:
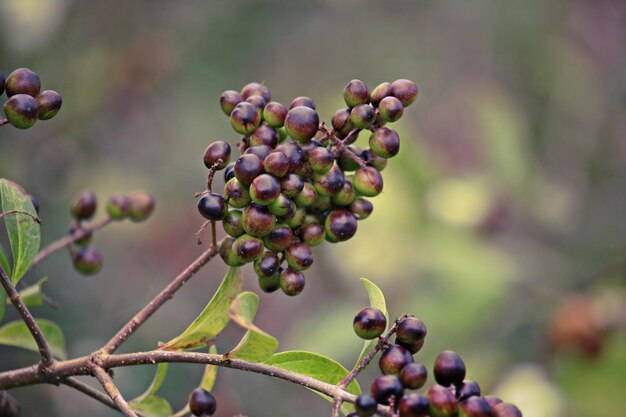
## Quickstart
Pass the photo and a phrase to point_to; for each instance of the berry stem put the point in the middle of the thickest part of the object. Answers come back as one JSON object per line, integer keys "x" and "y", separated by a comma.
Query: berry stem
{"x": 109, "y": 386}
{"x": 44, "y": 348}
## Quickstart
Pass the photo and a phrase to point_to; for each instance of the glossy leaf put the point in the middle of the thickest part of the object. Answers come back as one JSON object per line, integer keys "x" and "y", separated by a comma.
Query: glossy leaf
{"x": 32, "y": 295}
{"x": 256, "y": 345}
{"x": 152, "y": 407}
{"x": 4, "y": 261}
{"x": 377, "y": 300}
{"x": 17, "y": 334}
{"x": 213, "y": 318}
{"x": 24, "y": 233}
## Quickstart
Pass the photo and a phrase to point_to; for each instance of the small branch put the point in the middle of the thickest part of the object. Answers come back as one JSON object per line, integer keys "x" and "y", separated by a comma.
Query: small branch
{"x": 68, "y": 240}
{"x": 44, "y": 349}
{"x": 90, "y": 391}
{"x": 109, "y": 386}
{"x": 35, "y": 218}
{"x": 3, "y": 121}
{"x": 336, "y": 407}
{"x": 166, "y": 294}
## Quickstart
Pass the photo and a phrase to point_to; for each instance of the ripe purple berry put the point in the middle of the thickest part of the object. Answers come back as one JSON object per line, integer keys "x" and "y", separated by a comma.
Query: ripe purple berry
{"x": 279, "y": 239}
{"x": 393, "y": 359}
{"x": 247, "y": 168}
{"x": 202, "y": 402}
{"x": 21, "y": 111}
{"x": 475, "y": 407}
{"x": 257, "y": 220}
{"x": 414, "y": 375}
{"x": 413, "y": 405}
{"x": 385, "y": 387}
{"x": 212, "y": 206}
{"x": 302, "y": 101}
{"x": 411, "y": 330}
{"x": 368, "y": 182}
{"x": 264, "y": 189}
{"x": 291, "y": 282}
{"x": 449, "y": 368}
{"x": 442, "y": 402}
{"x": 216, "y": 152}
{"x": 365, "y": 405}
{"x": 228, "y": 100}
{"x": 247, "y": 248}
{"x": 87, "y": 261}
{"x": 299, "y": 256}
{"x": 467, "y": 389}
{"x": 23, "y": 81}
{"x": 245, "y": 118}
{"x": 385, "y": 142}
{"x": 48, "y": 104}
{"x": 355, "y": 93}
{"x": 506, "y": 410}
{"x": 301, "y": 123}
{"x": 264, "y": 135}
{"x": 340, "y": 225}
{"x": 84, "y": 206}
{"x": 274, "y": 114}
{"x": 369, "y": 323}
{"x": 405, "y": 91}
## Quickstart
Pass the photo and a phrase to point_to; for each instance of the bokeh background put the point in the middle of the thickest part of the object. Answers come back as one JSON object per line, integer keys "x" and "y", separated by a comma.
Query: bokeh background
{"x": 502, "y": 224}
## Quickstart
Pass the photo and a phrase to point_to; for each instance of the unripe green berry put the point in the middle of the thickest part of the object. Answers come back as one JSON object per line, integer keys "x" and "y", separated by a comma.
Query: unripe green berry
{"x": 368, "y": 181}
{"x": 299, "y": 256}
{"x": 405, "y": 91}
{"x": 307, "y": 196}
{"x": 329, "y": 183}
{"x": 475, "y": 407}
{"x": 362, "y": 116}
{"x": 270, "y": 284}
{"x": 346, "y": 160}
{"x": 48, "y": 104}
{"x": 374, "y": 160}
{"x": 413, "y": 375}
{"x": 301, "y": 123}
{"x": 212, "y": 206}
{"x": 320, "y": 159}
{"x": 247, "y": 168}
{"x": 385, "y": 142}
{"x": 264, "y": 135}
{"x": 340, "y": 225}
{"x": 296, "y": 219}
{"x": 247, "y": 248}
{"x": 442, "y": 402}
{"x": 257, "y": 220}
{"x": 393, "y": 359}
{"x": 215, "y": 152}
{"x": 264, "y": 189}
{"x": 281, "y": 206}
{"x": 355, "y": 93}
{"x": 381, "y": 91}
{"x": 385, "y": 387}
{"x": 361, "y": 208}
{"x": 291, "y": 282}
{"x": 346, "y": 196}
{"x": 23, "y": 81}
{"x": 84, "y": 205}
{"x": 228, "y": 255}
{"x": 21, "y": 111}
{"x": 245, "y": 118}
{"x": 369, "y": 323}
{"x": 87, "y": 261}
{"x": 202, "y": 402}
{"x": 312, "y": 233}
{"x": 141, "y": 206}
{"x": 390, "y": 109}
{"x": 118, "y": 206}
{"x": 236, "y": 194}
{"x": 302, "y": 101}
{"x": 274, "y": 114}
{"x": 232, "y": 223}
{"x": 322, "y": 203}
{"x": 449, "y": 369}
{"x": 279, "y": 239}
{"x": 228, "y": 100}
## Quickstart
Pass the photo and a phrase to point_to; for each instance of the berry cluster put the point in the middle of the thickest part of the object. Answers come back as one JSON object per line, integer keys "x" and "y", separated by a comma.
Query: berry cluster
{"x": 27, "y": 102}
{"x": 451, "y": 396}
{"x": 202, "y": 403}
{"x": 137, "y": 207}
{"x": 298, "y": 182}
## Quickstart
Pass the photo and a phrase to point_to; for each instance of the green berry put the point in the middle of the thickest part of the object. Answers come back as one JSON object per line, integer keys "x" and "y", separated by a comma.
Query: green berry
{"x": 245, "y": 118}
{"x": 247, "y": 168}
{"x": 312, "y": 233}
{"x": 202, "y": 402}
{"x": 141, "y": 206}
{"x": 264, "y": 189}
{"x": 346, "y": 196}
{"x": 212, "y": 206}
{"x": 442, "y": 402}
{"x": 296, "y": 218}
{"x": 279, "y": 239}
{"x": 362, "y": 116}
{"x": 232, "y": 223}
{"x": 217, "y": 153}
{"x": 236, "y": 194}
{"x": 381, "y": 91}
{"x": 367, "y": 181}
{"x": 346, "y": 160}
{"x": 281, "y": 206}
{"x": 84, "y": 205}
{"x": 21, "y": 111}
{"x": 228, "y": 100}
{"x": 369, "y": 323}
{"x": 307, "y": 196}
{"x": 413, "y": 375}
{"x": 291, "y": 185}
{"x": 385, "y": 142}
{"x": 340, "y": 225}
{"x": 373, "y": 160}
{"x": 291, "y": 282}
{"x": 320, "y": 159}
{"x": 405, "y": 91}
{"x": 302, "y": 101}
{"x": 361, "y": 208}
{"x": 23, "y": 81}
{"x": 48, "y": 104}
{"x": 118, "y": 206}
{"x": 301, "y": 123}
{"x": 393, "y": 359}
{"x": 390, "y": 109}
{"x": 87, "y": 261}
{"x": 264, "y": 135}
{"x": 413, "y": 405}
{"x": 365, "y": 405}
{"x": 270, "y": 284}
{"x": 247, "y": 248}
{"x": 299, "y": 256}
{"x": 257, "y": 220}
{"x": 274, "y": 114}
{"x": 449, "y": 369}
{"x": 355, "y": 93}
{"x": 385, "y": 387}
{"x": 87, "y": 235}
{"x": 228, "y": 255}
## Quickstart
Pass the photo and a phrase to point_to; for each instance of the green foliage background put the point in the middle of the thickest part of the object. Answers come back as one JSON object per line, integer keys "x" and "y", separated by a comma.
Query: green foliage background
{"x": 508, "y": 195}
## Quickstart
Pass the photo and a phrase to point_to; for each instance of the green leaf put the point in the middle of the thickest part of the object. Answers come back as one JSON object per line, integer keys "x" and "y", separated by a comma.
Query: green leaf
{"x": 213, "y": 318}
{"x": 4, "y": 261}
{"x": 316, "y": 366}
{"x": 17, "y": 334}
{"x": 256, "y": 345}
{"x": 377, "y": 300}
{"x": 152, "y": 407}
{"x": 161, "y": 372}
{"x": 24, "y": 233}
{"x": 32, "y": 295}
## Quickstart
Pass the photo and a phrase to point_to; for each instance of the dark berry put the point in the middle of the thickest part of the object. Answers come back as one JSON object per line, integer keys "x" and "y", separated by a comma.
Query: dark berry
{"x": 276, "y": 163}
{"x": 374, "y": 160}
{"x": 229, "y": 172}
{"x": 264, "y": 135}
{"x": 232, "y": 223}
{"x": 84, "y": 206}
{"x": 449, "y": 368}
{"x": 362, "y": 116}
{"x": 365, "y": 405}
{"x": 411, "y": 330}
{"x": 368, "y": 182}
{"x": 23, "y": 81}
{"x": 307, "y": 196}
{"x": 118, "y": 206}
{"x": 390, "y": 109}
{"x": 355, "y": 93}
{"x": 340, "y": 225}
{"x": 245, "y": 118}
{"x": 228, "y": 100}
{"x": 412, "y": 347}
{"x": 385, "y": 142}
{"x": 385, "y": 387}
{"x": 85, "y": 231}
{"x": 361, "y": 208}
{"x": 257, "y": 220}
{"x": 2, "y": 83}
{"x": 267, "y": 265}
{"x": 347, "y": 158}
{"x": 87, "y": 261}
{"x": 260, "y": 151}
{"x": 346, "y": 196}
{"x": 291, "y": 185}
{"x": 257, "y": 101}
{"x": 254, "y": 88}
{"x": 217, "y": 153}
{"x": 264, "y": 189}
{"x": 393, "y": 359}
{"x": 291, "y": 282}
{"x": 299, "y": 256}
{"x": 296, "y": 218}
{"x": 247, "y": 248}
{"x": 279, "y": 239}
{"x": 202, "y": 402}
{"x": 492, "y": 400}
{"x": 301, "y": 123}
{"x": 21, "y": 111}
{"x": 228, "y": 255}
{"x": 312, "y": 233}
{"x": 212, "y": 206}
{"x": 341, "y": 122}
{"x": 247, "y": 168}
{"x": 381, "y": 91}
{"x": 294, "y": 154}
{"x": 405, "y": 91}
{"x": 302, "y": 101}
{"x": 369, "y": 323}
{"x": 468, "y": 388}
{"x": 329, "y": 183}
{"x": 506, "y": 410}
{"x": 236, "y": 194}
{"x": 475, "y": 407}
{"x": 141, "y": 206}
{"x": 414, "y": 375}
{"x": 320, "y": 159}
{"x": 442, "y": 402}
{"x": 413, "y": 405}
{"x": 271, "y": 283}
{"x": 48, "y": 104}
{"x": 274, "y": 114}
{"x": 33, "y": 200}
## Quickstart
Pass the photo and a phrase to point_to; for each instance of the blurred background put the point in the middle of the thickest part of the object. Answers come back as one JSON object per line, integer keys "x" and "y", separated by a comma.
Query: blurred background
{"x": 502, "y": 224}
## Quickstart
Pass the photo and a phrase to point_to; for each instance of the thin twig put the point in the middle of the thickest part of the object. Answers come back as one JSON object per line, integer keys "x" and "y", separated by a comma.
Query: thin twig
{"x": 44, "y": 348}
{"x": 90, "y": 391}
{"x": 35, "y": 218}
{"x": 336, "y": 407}
{"x": 109, "y": 386}
{"x": 3, "y": 121}
{"x": 166, "y": 294}
{"x": 68, "y": 240}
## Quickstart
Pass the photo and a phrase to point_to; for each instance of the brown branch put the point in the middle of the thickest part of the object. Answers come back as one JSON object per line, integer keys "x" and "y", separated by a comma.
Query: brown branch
{"x": 166, "y": 294}
{"x": 44, "y": 349}
{"x": 68, "y": 240}
{"x": 109, "y": 386}
{"x": 35, "y": 218}
{"x": 90, "y": 391}
{"x": 336, "y": 408}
